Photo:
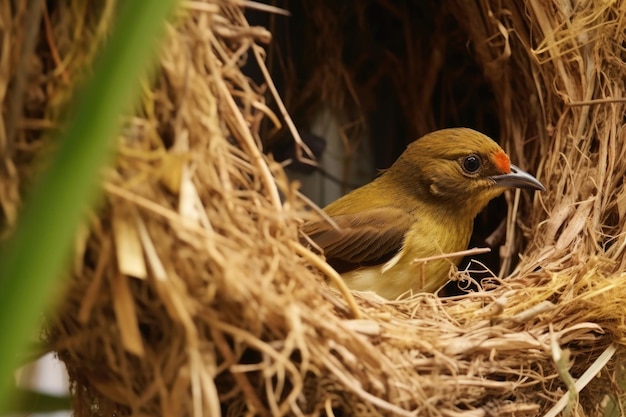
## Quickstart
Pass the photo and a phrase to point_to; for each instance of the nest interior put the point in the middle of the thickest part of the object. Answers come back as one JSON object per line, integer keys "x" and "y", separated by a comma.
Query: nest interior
{"x": 190, "y": 293}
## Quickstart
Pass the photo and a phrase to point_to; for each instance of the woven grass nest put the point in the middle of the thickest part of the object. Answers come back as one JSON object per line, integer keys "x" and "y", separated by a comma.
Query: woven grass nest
{"x": 190, "y": 293}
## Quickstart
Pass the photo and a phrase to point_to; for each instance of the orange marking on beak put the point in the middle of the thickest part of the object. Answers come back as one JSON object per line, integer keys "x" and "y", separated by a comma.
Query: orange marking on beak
{"x": 502, "y": 162}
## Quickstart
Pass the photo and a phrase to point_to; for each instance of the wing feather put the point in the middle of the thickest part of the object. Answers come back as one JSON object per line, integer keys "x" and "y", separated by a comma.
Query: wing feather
{"x": 368, "y": 238}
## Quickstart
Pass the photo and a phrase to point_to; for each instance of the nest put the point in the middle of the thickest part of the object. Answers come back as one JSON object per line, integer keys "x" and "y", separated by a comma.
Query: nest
{"x": 190, "y": 293}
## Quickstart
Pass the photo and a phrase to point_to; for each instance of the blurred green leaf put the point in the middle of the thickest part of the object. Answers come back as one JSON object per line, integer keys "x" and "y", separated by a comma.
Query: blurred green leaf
{"x": 28, "y": 401}
{"x": 32, "y": 261}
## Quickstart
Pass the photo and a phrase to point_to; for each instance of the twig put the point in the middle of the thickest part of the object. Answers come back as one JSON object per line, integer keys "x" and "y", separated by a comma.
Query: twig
{"x": 497, "y": 236}
{"x": 474, "y": 251}
{"x": 262, "y": 7}
{"x": 53, "y": 49}
{"x": 533, "y": 311}
{"x": 19, "y": 84}
{"x": 243, "y": 382}
{"x": 283, "y": 110}
{"x": 355, "y": 387}
{"x": 247, "y": 338}
{"x": 244, "y": 132}
{"x": 607, "y": 100}
{"x": 582, "y": 382}
{"x": 330, "y": 273}
{"x": 317, "y": 209}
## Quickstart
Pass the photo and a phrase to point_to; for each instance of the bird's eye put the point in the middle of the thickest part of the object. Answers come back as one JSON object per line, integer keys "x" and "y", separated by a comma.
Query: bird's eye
{"x": 471, "y": 164}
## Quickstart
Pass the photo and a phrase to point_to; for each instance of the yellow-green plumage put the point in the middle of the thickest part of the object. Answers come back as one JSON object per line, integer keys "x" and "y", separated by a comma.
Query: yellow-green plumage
{"x": 423, "y": 206}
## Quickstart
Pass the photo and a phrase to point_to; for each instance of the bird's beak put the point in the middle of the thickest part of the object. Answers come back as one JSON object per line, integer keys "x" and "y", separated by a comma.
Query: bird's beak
{"x": 518, "y": 179}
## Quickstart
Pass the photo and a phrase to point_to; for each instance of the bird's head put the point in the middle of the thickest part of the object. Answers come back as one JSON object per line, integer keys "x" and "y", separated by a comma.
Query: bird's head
{"x": 459, "y": 168}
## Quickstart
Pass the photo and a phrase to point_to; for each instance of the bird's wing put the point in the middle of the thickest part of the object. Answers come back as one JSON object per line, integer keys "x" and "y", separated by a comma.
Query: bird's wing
{"x": 368, "y": 238}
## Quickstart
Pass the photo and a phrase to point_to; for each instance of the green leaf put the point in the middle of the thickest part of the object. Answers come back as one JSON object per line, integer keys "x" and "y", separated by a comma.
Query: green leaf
{"x": 32, "y": 261}
{"x": 28, "y": 401}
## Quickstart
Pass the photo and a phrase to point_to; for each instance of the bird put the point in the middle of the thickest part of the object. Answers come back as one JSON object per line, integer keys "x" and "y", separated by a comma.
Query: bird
{"x": 423, "y": 206}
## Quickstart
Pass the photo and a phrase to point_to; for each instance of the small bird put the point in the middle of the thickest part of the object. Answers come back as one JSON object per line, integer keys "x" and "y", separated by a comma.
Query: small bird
{"x": 423, "y": 206}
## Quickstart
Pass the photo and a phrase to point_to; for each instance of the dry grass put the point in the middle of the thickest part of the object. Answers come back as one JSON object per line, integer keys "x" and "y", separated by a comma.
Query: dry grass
{"x": 190, "y": 294}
